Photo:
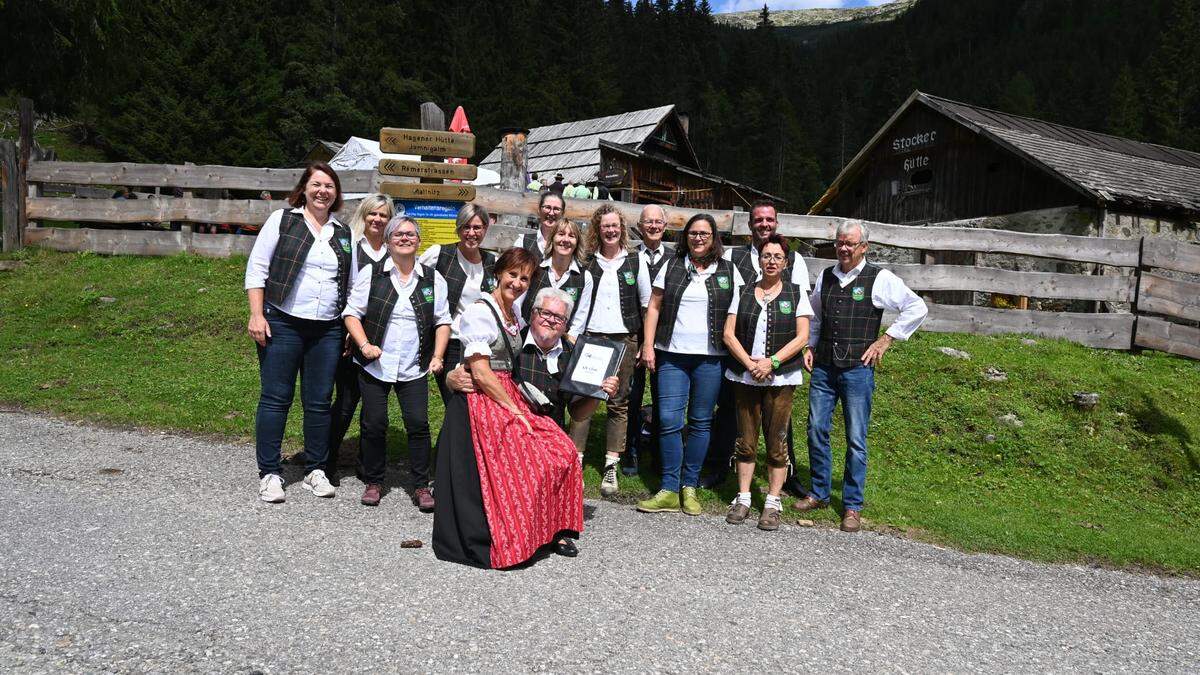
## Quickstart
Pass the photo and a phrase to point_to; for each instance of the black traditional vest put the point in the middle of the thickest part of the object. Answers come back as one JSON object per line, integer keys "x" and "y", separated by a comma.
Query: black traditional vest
{"x": 531, "y": 368}
{"x": 573, "y": 286}
{"x": 742, "y": 258}
{"x": 667, "y": 251}
{"x": 849, "y": 320}
{"x": 529, "y": 243}
{"x": 627, "y": 290}
{"x": 382, "y": 301}
{"x": 295, "y": 241}
{"x": 501, "y": 360}
{"x": 781, "y": 324}
{"x": 364, "y": 258}
{"x": 456, "y": 277}
{"x": 720, "y": 293}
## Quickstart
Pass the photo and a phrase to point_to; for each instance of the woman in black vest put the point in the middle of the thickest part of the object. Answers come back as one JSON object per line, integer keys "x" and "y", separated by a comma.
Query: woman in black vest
{"x": 684, "y": 344}
{"x": 370, "y": 253}
{"x": 399, "y": 322}
{"x": 766, "y": 332}
{"x": 297, "y": 280}
{"x": 562, "y": 268}
{"x": 467, "y": 269}
{"x": 621, "y": 290}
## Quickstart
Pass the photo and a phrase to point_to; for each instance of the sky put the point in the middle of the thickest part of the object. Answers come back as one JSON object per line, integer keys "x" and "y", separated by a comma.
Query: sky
{"x": 722, "y": 6}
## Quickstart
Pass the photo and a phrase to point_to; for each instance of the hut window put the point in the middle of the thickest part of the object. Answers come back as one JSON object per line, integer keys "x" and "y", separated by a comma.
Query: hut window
{"x": 922, "y": 178}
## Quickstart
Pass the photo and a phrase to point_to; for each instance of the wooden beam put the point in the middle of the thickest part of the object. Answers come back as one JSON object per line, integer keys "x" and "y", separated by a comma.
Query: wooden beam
{"x": 1111, "y": 288}
{"x": 1173, "y": 338}
{"x": 1174, "y": 297}
{"x": 233, "y": 211}
{"x": 187, "y": 176}
{"x": 439, "y": 170}
{"x": 1172, "y": 255}
{"x": 1109, "y": 331}
{"x": 451, "y": 192}
{"x": 422, "y": 142}
{"x": 138, "y": 242}
{"x": 9, "y": 175}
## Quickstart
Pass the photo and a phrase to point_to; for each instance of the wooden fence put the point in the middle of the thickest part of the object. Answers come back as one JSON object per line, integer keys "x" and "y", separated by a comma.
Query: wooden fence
{"x": 1155, "y": 296}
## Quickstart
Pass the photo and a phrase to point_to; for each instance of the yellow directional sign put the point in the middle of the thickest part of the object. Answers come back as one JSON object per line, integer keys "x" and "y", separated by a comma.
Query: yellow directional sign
{"x": 452, "y": 192}
{"x": 404, "y": 167}
{"x": 433, "y": 143}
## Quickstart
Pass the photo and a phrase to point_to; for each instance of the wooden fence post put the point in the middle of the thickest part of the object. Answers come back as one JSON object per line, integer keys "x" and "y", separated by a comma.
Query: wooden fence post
{"x": 26, "y": 112}
{"x": 514, "y": 155}
{"x": 9, "y": 173}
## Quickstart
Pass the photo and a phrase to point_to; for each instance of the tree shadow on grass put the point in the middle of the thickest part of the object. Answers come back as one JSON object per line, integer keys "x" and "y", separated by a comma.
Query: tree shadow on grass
{"x": 1151, "y": 419}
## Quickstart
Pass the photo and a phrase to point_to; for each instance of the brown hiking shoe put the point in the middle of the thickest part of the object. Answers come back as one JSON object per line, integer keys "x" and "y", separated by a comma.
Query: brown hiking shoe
{"x": 738, "y": 513}
{"x": 809, "y": 504}
{"x": 851, "y": 521}
{"x": 769, "y": 520}
{"x": 372, "y": 494}
{"x": 423, "y": 498}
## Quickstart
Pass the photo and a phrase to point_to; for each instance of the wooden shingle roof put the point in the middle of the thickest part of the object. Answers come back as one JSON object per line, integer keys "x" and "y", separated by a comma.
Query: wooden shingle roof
{"x": 1109, "y": 169}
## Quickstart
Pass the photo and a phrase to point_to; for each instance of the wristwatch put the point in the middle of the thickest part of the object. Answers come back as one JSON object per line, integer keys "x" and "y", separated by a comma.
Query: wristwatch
{"x": 774, "y": 362}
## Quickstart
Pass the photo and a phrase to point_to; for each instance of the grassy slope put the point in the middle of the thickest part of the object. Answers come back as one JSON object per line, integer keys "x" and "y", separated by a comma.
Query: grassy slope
{"x": 1120, "y": 485}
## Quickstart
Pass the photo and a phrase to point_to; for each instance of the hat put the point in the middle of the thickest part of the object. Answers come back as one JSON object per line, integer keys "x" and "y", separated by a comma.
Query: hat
{"x": 558, "y": 176}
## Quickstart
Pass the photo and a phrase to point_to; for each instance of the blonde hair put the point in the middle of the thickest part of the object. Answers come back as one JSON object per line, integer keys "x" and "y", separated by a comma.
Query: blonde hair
{"x": 358, "y": 222}
{"x": 593, "y": 231}
{"x": 577, "y": 254}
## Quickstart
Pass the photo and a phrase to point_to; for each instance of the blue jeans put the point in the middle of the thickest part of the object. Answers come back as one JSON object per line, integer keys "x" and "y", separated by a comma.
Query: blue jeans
{"x": 310, "y": 349}
{"x": 853, "y": 387}
{"x": 691, "y": 382}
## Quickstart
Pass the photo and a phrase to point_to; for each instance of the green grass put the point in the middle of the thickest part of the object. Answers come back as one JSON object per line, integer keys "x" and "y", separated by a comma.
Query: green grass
{"x": 1117, "y": 486}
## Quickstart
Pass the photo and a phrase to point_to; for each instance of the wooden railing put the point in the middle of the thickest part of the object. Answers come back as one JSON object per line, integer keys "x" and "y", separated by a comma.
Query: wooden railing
{"x": 1159, "y": 292}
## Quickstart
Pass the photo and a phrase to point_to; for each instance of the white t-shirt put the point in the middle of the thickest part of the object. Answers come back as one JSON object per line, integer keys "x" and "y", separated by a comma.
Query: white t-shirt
{"x": 470, "y": 291}
{"x": 690, "y": 335}
{"x": 400, "y": 361}
{"x": 758, "y": 348}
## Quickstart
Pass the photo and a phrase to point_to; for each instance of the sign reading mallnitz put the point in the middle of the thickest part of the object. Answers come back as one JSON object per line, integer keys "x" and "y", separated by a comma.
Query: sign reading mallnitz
{"x": 454, "y": 192}
{"x": 431, "y": 143}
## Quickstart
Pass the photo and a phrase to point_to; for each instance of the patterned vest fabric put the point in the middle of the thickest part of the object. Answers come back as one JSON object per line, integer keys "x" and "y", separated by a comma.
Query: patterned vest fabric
{"x": 365, "y": 259}
{"x": 456, "y": 277}
{"x": 742, "y": 258}
{"x": 627, "y": 290}
{"x": 573, "y": 286}
{"x": 720, "y": 294}
{"x": 531, "y": 368}
{"x": 295, "y": 241}
{"x": 849, "y": 320}
{"x": 529, "y": 243}
{"x": 382, "y": 301}
{"x": 781, "y": 324}
{"x": 667, "y": 252}
{"x": 500, "y": 360}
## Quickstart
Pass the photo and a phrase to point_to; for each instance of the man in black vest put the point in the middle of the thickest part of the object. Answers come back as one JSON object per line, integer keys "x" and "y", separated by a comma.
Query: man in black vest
{"x": 848, "y": 302}
{"x": 652, "y": 223}
{"x": 543, "y": 358}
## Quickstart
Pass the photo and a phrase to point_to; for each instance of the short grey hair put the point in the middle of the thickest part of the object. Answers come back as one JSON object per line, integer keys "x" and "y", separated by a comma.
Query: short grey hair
{"x": 556, "y": 293}
{"x": 394, "y": 224}
{"x": 845, "y": 226}
{"x": 642, "y": 215}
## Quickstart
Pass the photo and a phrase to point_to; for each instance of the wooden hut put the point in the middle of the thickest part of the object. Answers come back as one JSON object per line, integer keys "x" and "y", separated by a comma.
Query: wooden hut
{"x": 643, "y": 156}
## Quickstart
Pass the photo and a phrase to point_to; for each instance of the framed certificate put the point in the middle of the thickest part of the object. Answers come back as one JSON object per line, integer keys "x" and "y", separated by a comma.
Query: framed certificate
{"x": 592, "y": 361}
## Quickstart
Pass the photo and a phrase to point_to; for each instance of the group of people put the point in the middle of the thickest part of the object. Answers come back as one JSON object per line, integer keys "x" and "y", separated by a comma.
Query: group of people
{"x": 720, "y": 336}
{"x": 571, "y": 189}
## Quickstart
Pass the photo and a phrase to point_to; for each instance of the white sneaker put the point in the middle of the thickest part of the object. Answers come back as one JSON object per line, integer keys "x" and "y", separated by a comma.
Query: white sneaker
{"x": 608, "y": 484}
{"x": 316, "y": 483}
{"x": 270, "y": 489}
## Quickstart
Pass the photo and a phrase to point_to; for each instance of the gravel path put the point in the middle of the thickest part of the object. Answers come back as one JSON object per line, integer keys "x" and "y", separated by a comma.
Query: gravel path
{"x": 138, "y": 551}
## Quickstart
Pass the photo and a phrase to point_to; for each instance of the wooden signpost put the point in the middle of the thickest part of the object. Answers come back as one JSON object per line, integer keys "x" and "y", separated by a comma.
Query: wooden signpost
{"x": 454, "y": 192}
{"x": 421, "y": 142}
{"x": 440, "y": 170}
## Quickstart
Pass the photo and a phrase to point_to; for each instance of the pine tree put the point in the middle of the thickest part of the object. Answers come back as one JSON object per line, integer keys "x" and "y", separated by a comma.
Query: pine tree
{"x": 1018, "y": 96}
{"x": 1125, "y": 106}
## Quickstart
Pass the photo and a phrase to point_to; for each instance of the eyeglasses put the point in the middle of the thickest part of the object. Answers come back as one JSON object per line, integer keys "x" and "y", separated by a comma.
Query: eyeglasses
{"x": 700, "y": 235}
{"x": 777, "y": 257}
{"x": 654, "y": 221}
{"x": 552, "y": 209}
{"x": 405, "y": 235}
{"x": 847, "y": 244}
{"x": 550, "y": 317}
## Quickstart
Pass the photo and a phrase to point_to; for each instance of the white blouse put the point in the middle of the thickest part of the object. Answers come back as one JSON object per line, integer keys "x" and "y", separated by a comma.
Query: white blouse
{"x": 314, "y": 293}
{"x": 758, "y": 348}
{"x": 479, "y": 329}
{"x": 690, "y": 335}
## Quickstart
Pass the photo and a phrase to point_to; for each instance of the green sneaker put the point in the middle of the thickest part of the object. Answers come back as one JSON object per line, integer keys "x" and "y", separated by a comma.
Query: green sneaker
{"x": 691, "y": 503}
{"x": 663, "y": 502}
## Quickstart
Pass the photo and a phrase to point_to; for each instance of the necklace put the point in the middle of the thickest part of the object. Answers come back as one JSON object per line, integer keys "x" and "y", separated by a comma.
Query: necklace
{"x": 768, "y": 294}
